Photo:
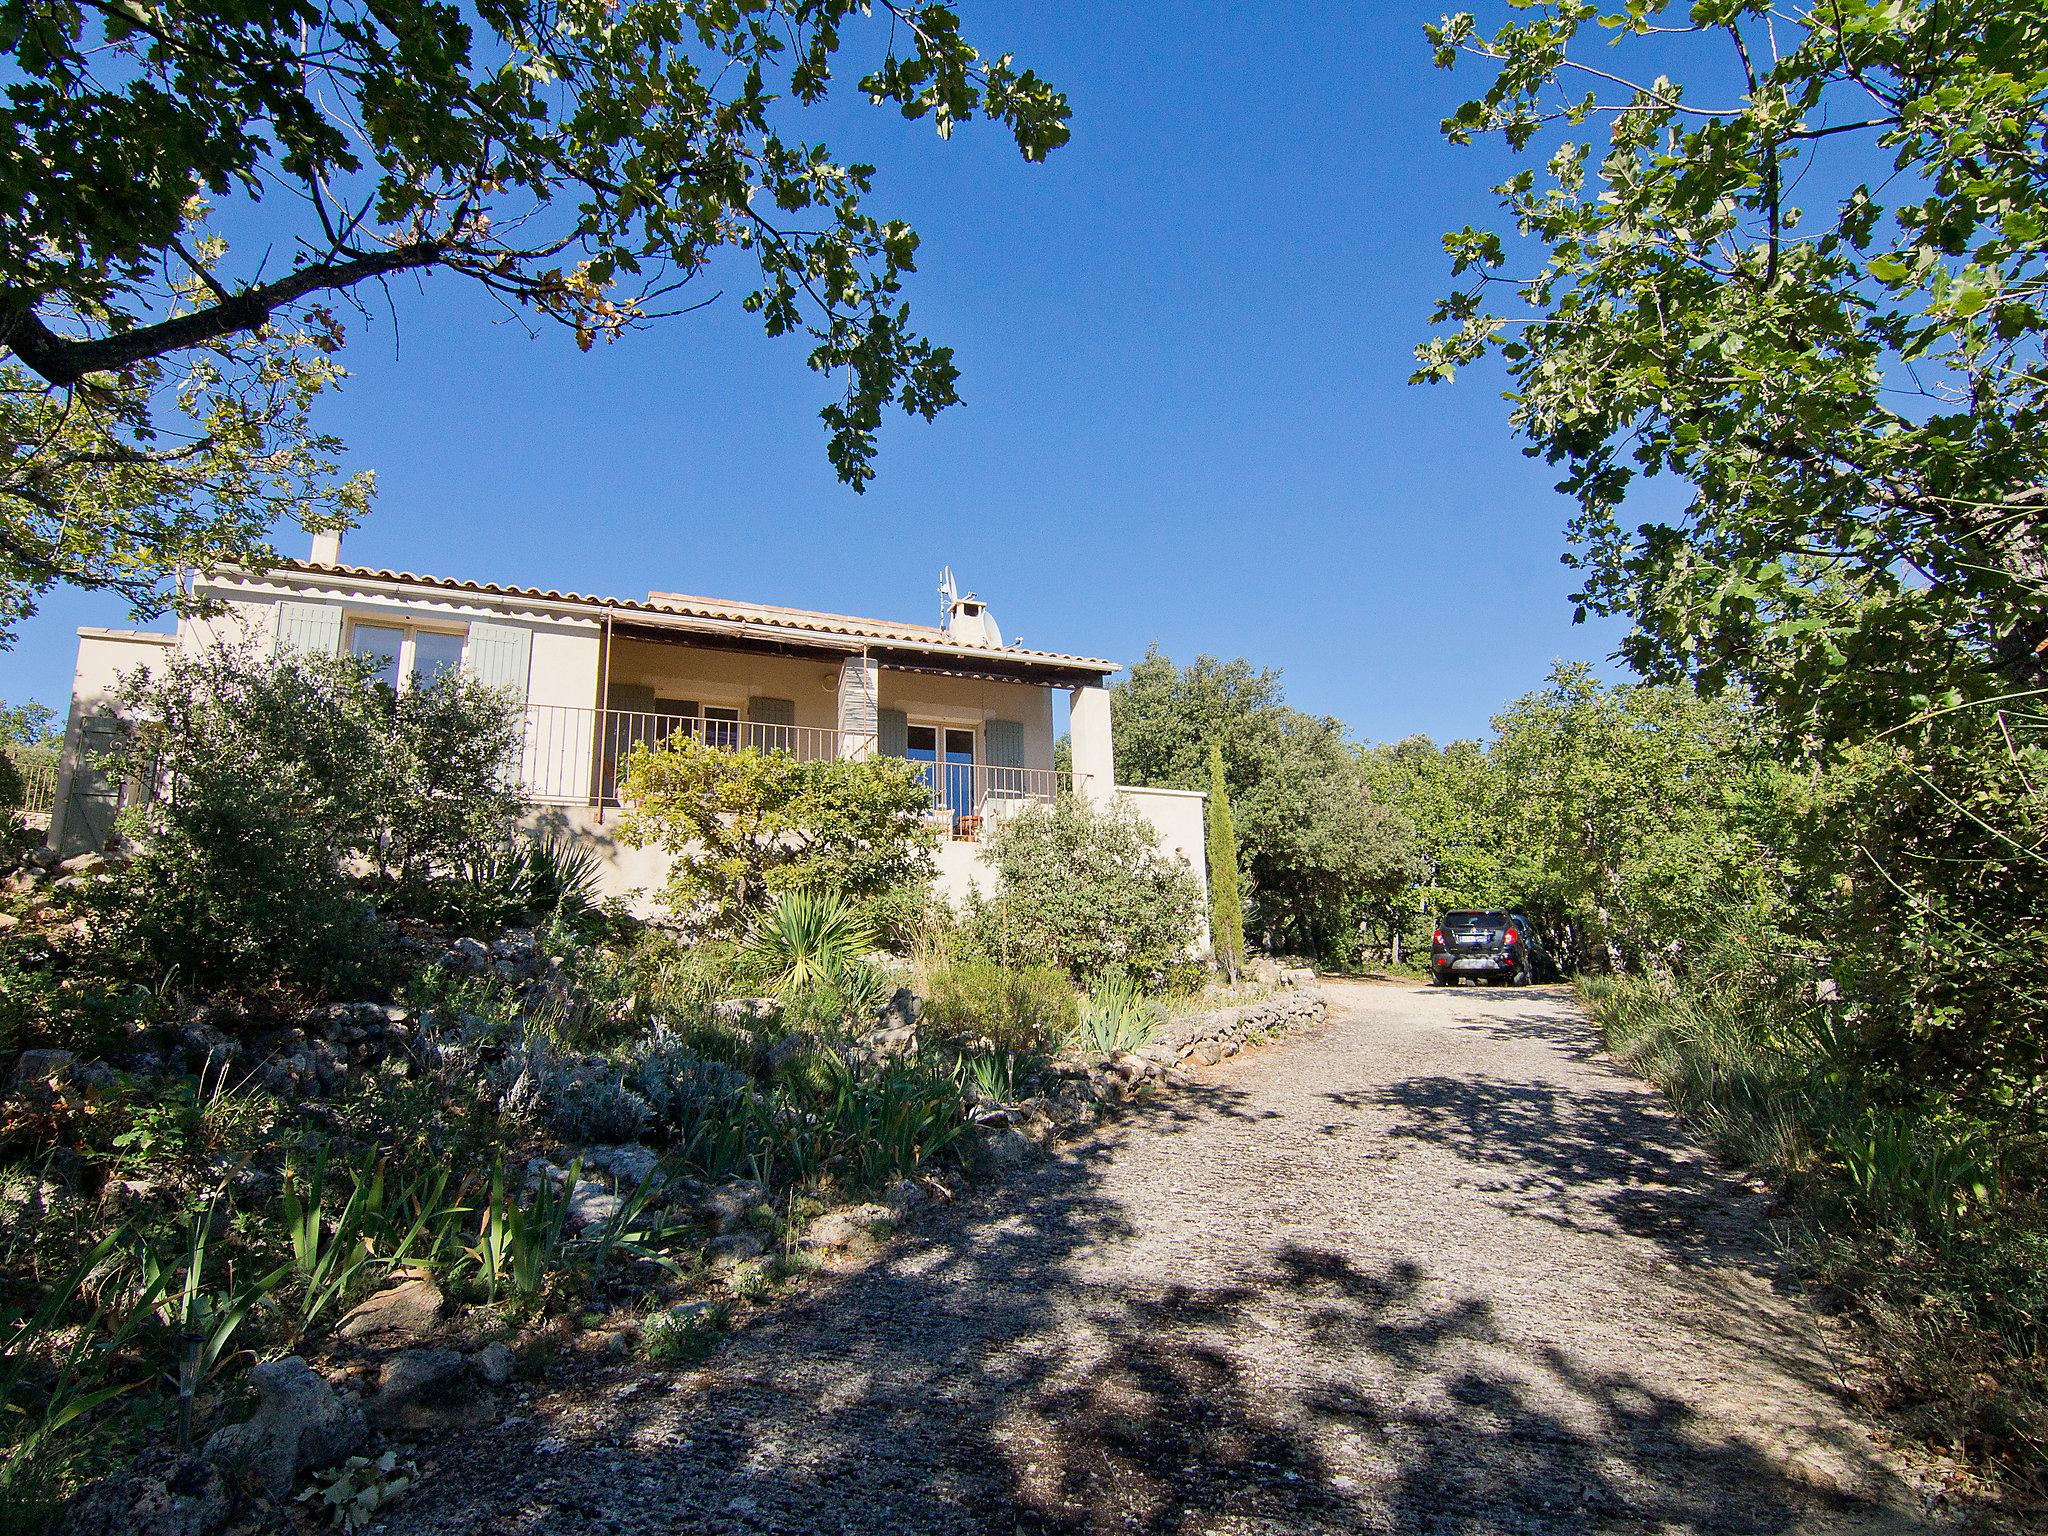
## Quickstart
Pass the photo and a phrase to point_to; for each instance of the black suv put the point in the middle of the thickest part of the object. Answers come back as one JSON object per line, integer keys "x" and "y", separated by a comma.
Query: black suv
{"x": 1495, "y": 946}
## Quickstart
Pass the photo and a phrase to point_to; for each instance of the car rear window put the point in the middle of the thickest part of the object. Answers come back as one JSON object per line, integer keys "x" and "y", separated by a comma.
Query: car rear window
{"x": 1474, "y": 920}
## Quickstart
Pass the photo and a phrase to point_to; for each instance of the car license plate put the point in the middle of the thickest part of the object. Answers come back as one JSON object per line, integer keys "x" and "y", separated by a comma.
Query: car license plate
{"x": 1470, "y": 936}
{"x": 1476, "y": 963}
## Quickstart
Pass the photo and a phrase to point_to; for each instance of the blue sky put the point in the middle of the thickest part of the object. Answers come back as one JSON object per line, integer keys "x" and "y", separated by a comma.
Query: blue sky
{"x": 1184, "y": 343}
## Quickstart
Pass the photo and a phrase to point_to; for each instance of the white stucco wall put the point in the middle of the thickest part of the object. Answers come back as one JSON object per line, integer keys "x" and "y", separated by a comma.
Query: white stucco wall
{"x": 562, "y": 670}
{"x": 634, "y": 875}
{"x": 86, "y": 799}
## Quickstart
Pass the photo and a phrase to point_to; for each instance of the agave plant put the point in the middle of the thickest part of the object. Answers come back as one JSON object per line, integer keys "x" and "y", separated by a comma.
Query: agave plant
{"x": 808, "y": 939}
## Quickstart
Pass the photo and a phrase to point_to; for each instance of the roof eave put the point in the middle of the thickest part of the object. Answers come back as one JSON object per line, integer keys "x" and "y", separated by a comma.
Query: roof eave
{"x": 653, "y": 616}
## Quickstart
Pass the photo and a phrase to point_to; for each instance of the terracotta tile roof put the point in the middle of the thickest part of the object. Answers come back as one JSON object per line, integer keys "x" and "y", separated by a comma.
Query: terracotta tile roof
{"x": 746, "y": 616}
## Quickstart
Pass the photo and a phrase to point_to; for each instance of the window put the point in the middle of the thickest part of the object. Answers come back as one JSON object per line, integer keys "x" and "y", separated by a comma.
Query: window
{"x": 435, "y": 654}
{"x": 402, "y": 652}
{"x": 385, "y": 644}
{"x": 950, "y": 751}
{"x": 721, "y": 726}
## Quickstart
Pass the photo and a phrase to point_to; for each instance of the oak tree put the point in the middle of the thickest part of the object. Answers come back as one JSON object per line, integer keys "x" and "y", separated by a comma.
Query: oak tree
{"x": 590, "y": 162}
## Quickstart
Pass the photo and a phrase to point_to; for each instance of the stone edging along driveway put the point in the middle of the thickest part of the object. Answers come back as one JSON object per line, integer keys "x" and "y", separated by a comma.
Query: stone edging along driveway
{"x": 1433, "y": 1266}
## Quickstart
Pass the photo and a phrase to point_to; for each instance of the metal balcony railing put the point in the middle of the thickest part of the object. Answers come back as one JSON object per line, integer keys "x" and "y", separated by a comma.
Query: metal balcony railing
{"x": 973, "y": 799}
{"x": 577, "y": 756}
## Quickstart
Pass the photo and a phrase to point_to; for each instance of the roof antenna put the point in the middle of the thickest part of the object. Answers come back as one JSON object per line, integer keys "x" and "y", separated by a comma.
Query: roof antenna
{"x": 949, "y": 594}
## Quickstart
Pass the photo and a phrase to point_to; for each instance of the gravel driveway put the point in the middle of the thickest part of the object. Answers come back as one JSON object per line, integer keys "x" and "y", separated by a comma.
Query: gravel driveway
{"x": 1436, "y": 1267}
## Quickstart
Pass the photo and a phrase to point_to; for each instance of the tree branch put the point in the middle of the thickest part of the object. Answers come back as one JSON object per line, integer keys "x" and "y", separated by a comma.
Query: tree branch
{"x": 64, "y": 360}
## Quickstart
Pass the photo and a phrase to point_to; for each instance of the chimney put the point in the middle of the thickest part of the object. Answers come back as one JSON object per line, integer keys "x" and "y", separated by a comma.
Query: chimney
{"x": 327, "y": 547}
{"x": 968, "y": 622}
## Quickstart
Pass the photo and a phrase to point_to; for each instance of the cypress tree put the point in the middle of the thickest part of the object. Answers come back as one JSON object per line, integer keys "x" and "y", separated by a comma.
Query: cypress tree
{"x": 1226, "y": 899}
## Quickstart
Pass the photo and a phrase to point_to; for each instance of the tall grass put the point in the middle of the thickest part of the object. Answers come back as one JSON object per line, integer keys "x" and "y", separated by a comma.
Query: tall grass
{"x": 1931, "y": 1227}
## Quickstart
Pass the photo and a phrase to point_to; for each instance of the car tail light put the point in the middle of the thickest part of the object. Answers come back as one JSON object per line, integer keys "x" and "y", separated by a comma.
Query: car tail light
{"x": 1509, "y": 938}
{"x": 1437, "y": 937}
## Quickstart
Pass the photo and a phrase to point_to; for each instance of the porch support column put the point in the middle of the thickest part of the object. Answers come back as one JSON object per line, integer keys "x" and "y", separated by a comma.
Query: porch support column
{"x": 859, "y": 700}
{"x": 1089, "y": 740}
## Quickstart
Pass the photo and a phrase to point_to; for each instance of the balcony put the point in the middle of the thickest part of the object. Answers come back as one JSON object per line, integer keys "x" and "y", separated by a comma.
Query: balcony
{"x": 577, "y": 756}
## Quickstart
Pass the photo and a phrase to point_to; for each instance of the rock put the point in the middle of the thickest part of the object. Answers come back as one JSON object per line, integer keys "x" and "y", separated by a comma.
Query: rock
{"x": 429, "y": 1389}
{"x": 1204, "y": 1053}
{"x": 746, "y": 1012}
{"x": 903, "y": 1196}
{"x": 411, "y": 1372}
{"x": 592, "y": 1205}
{"x": 22, "y": 881}
{"x": 495, "y": 1363}
{"x": 401, "y": 1314}
{"x": 894, "y": 1042}
{"x": 301, "y": 1424}
{"x": 628, "y": 1162}
{"x": 162, "y": 1494}
{"x": 1007, "y": 1147}
{"x": 64, "y": 1168}
{"x": 904, "y": 1010}
{"x": 82, "y": 864}
{"x": 732, "y": 1249}
{"x": 471, "y": 952}
{"x": 727, "y": 1205}
{"x": 122, "y": 1197}
{"x": 8, "y": 920}
{"x": 771, "y": 1056}
{"x": 44, "y": 858}
{"x": 846, "y": 1228}
{"x": 41, "y": 1065}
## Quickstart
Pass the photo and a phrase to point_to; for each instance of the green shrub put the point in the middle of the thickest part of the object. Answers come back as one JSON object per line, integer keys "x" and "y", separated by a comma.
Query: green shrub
{"x": 1090, "y": 891}
{"x": 443, "y": 792}
{"x": 808, "y": 938}
{"x": 686, "y": 1334}
{"x": 1022, "y": 1009}
{"x": 741, "y": 828}
{"x": 1226, "y": 896}
{"x": 277, "y": 776}
{"x": 551, "y": 876}
{"x": 680, "y": 1087}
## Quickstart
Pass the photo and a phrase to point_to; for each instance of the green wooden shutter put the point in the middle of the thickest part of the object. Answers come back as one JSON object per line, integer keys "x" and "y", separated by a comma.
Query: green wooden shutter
{"x": 630, "y": 698}
{"x": 1003, "y": 741}
{"x": 770, "y": 723}
{"x": 892, "y": 729}
{"x": 314, "y": 628}
{"x": 499, "y": 655}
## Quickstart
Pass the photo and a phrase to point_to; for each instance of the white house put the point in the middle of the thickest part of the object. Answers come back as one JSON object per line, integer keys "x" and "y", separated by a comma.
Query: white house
{"x": 601, "y": 674}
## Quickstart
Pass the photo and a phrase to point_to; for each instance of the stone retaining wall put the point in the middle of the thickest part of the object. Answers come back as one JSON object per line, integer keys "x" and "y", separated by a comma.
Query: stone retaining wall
{"x": 1208, "y": 1037}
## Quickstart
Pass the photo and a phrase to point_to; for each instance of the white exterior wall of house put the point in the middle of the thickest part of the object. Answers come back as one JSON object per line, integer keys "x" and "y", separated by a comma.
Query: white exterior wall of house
{"x": 86, "y": 797}
{"x": 561, "y": 668}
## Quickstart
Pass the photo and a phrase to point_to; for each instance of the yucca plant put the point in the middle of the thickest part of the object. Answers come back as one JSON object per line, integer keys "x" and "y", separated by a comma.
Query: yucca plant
{"x": 563, "y": 875}
{"x": 809, "y": 939}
